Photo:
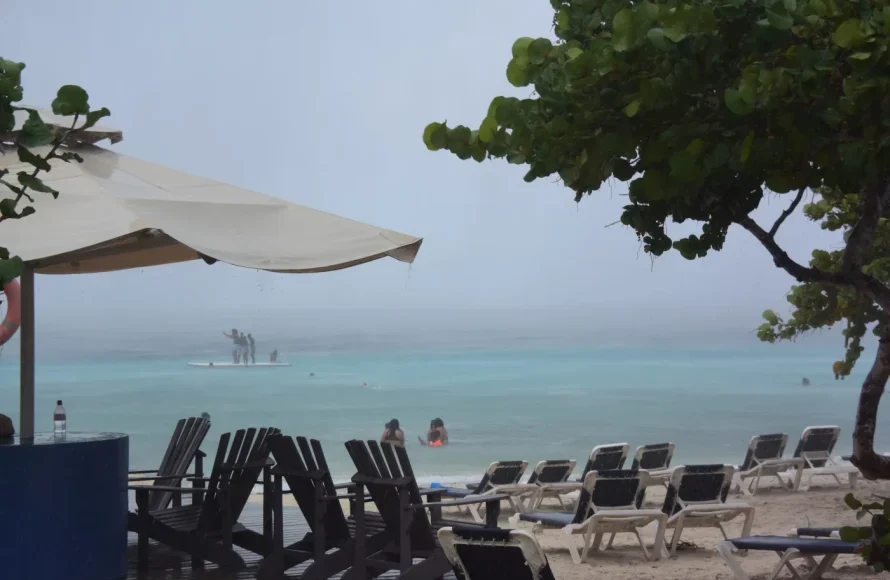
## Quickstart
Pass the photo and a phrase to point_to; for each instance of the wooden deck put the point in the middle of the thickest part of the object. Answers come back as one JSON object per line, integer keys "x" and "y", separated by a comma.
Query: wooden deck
{"x": 165, "y": 564}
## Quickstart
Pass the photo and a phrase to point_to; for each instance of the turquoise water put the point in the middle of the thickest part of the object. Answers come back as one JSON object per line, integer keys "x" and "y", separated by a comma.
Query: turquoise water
{"x": 532, "y": 403}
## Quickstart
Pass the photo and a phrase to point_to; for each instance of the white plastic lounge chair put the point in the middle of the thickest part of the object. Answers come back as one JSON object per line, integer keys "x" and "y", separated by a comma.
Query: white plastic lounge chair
{"x": 494, "y": 554}
{"x": 764, "y": 459}
{"x": 696, "y": 498}
{"x": 788, "y": 549}
{"x": 602, "y": 458}
{"x": 502, "y": 477}
{"x": 609, "y": 504}
{"x": 656, "y": 459}
{"x": 815, "y": 447}
{"x": 545, "y": 473}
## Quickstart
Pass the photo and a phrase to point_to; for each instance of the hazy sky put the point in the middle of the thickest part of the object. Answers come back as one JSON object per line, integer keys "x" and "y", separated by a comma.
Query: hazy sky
{"x": 324, "y": 104}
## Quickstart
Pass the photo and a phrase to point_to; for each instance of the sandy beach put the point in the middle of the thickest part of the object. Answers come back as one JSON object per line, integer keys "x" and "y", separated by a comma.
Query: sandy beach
{"x": 777, "y": 512}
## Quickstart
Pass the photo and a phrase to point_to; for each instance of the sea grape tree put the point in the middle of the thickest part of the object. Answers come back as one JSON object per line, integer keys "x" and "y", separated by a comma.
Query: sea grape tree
{"x": 22, "y": 139}
{"x": 706, "y": 107}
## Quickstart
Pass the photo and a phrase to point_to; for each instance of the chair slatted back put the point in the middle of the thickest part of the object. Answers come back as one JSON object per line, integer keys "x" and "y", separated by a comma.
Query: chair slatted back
{"x": 697, "y": 484}
{"x": 653, "y": 456}
{"x": 552, "y": 471}
{"x": 494, "y": 554}
{"x": 763, "y": 448}
{"x": 606, "y": 457}
{"x": 816, "y": 444}
{"x": 381, "y": 462}
{"x": 239, "y": 461}
{"x": 302, "y": 455}
{"x": 184, "y": 445}
{"x": 501, "y": 473}
{"x": 614, "y": 489}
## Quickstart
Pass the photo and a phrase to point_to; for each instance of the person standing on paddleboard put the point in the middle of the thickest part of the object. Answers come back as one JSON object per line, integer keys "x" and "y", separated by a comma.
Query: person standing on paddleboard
{"x": 236, "y": 348}
{"x": 252, "y": 345}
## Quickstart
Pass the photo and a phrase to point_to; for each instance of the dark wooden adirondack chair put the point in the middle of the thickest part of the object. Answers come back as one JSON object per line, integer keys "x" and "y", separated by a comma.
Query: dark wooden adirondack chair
{"x": 385, "y": 471}
{"x": 184, "y": 447}
{"x": 208, "y": 528}
{"x": 301, "y": 463}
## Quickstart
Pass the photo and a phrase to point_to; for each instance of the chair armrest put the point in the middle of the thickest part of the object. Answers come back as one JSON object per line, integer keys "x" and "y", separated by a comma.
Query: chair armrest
{"x": 147, "y": 488}
{"x": 473, "y": 499}
{"x": 141, "y": 471}
{"x": 156, "y": 477}
{"x": 343, "y": 485}
{"x": 383, "y": 481}
{"x": 317, "y": 474}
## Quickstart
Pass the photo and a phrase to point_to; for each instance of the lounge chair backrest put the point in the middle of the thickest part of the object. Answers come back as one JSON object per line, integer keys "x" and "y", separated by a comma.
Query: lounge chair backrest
{"x": 494, "y": 554}
{"x": 606, "y": 457}
{"x": 184, "y": 445}
{"x": 239, "y": 461}
{"x": 653, "y": 456}
{"x": 501, "y": 473}
{"x": 552, "y": 471}
{"x": 614, "y": 489}
{"x": 308, "y": 468}
{"x": 697, "y": 484}
{"x": 816, "y": 444}
{"x": 385, "y": 462}
{"x": 762, "y": 448}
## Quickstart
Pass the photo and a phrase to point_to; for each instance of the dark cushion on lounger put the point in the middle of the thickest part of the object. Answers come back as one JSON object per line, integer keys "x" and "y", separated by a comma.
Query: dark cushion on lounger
{"x": 560, "y": 519}
{"x": 805, "y": 545}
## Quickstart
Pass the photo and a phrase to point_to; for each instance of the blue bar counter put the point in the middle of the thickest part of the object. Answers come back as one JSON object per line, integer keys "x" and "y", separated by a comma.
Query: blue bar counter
{"x": 63, "y": 507}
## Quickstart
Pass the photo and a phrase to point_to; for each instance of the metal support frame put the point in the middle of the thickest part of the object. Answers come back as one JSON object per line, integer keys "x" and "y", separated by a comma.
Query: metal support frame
{"x": 26, "y": 385}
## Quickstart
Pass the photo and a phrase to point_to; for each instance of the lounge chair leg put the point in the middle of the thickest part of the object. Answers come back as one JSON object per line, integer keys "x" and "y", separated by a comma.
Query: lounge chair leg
{"x": 572, "y": 545}
{"x": 724, "y": 549}
{"x": 611, "y": 540}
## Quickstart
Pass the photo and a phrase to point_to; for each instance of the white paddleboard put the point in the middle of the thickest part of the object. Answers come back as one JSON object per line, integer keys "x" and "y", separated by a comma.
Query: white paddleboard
{"x": 230, "y": 365}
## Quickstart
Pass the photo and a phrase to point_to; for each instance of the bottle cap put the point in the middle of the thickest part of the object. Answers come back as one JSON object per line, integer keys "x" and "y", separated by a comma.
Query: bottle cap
{"x": 59, "y": 402}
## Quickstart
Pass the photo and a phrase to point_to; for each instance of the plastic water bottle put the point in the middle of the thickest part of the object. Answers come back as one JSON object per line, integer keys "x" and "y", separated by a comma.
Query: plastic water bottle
{"x": 60, "y": 420}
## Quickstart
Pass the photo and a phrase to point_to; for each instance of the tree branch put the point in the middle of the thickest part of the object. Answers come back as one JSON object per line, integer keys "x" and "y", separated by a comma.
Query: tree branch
{"x": 782, "y": 260}
{"x": 864, "y": 283}
{"x": 863, "y": 233}
{"x": 787, "y": 212}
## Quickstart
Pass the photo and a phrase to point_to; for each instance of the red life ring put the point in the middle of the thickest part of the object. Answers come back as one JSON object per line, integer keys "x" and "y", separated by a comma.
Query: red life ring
{"x": 13, "y": 311}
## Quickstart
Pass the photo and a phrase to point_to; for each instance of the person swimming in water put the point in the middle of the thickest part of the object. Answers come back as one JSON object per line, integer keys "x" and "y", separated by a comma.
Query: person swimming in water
{"x": 437, "y": 436}
{"x": 393, "y": 434}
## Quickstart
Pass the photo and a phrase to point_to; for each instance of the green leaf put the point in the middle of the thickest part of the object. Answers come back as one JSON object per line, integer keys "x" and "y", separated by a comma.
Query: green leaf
{"x": 11, "y": 269}
{"x": 37, "y": 161}
{"x": 434, "y": 136}
{"x": 520, "y": 47}
{"x": 36, "y": 133}
{"x": 538, "y": 50}
{"x": 849, "y": 534}
{"x": 517, "y": 74}
{"x": 658, "y": 39}
{"x": 93, "y": 117}
{"x": 746, "y": 147}
{"x": 860, "y": 55}
{"x": 7, "y": 208}
{"x": 683, "y": 166}
{"x": 771, "y": 317}
{"x": 790, "y": 5}
{"x": 779, "y": 21}
{"x": 852, "y": 502}
{"x": 623, "y": 30}
{"x": 71, "y": 100}
{"x": 574, "y": 52}
{"x": 36, "y": 184}
{"x": 632, "y": 108}
{"x": 4, "y": 254}
{"x": 487, "y": 129}
{"x": 735, "y": 102}
{"x": 493, "y": 107}
{"x": 562, "y": 20}
{"x": 848, "y": 34}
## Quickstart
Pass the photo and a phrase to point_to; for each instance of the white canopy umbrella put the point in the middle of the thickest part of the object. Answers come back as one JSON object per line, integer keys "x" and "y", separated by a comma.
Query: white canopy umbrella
{"x": 116, "y": 212}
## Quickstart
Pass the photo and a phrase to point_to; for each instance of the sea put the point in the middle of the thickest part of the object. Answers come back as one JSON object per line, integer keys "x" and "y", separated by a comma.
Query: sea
{"x": 528, "y": 401}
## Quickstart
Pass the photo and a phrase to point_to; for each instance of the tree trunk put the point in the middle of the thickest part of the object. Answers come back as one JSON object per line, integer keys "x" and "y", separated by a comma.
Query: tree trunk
{"x": 872, "y": 465}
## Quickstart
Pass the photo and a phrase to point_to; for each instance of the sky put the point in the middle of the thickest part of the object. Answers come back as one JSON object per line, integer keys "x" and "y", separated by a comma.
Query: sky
{"x": 324, "y": 104}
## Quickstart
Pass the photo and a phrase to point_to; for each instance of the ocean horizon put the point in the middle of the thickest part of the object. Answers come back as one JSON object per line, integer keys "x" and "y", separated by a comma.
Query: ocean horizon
{"x": 517, "y": 399}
